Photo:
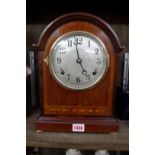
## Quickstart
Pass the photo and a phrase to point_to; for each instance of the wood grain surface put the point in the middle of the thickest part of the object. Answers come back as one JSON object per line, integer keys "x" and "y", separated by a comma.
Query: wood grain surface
{"x": 115, "y": 142}
{"x": 97, "y": 101}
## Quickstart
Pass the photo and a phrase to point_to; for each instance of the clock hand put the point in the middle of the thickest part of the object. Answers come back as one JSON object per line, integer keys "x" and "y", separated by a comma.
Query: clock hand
{"x": 79, "y": 61}
{"x": 78, "y": 53}
{"x": 84, "y": 72}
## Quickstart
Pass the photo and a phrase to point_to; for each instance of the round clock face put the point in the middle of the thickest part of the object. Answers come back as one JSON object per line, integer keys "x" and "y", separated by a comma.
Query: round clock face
{"x": 78, "y": 60}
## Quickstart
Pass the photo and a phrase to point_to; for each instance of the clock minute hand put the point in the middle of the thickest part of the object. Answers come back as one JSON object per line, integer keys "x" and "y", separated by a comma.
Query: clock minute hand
{"x": 79, "y": 61}
{"x": 77, "y": 52}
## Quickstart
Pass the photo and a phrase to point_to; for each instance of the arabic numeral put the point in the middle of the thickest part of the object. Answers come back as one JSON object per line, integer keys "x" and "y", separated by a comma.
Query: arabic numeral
{"x": 96, "y": 51}
{"x": 62, "y": 71}
{"x": 78, "y": 40}
{"x": 88, "y": 77}
{"x": 98, "y": 61}
{"x": 58, "y": 60}
{"x": 95, "y": 71}
{"x": 68, "y": 76}
{"x": 62, "y": 50}
{"x": 78, "y": 80}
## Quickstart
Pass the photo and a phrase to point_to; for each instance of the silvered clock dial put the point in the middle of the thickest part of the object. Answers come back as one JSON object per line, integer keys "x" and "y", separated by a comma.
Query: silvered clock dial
{"x": 78, "y": 60}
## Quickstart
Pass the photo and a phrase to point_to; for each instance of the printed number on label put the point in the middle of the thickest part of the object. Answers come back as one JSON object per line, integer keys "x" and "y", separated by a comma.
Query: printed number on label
{"x": 78, "y": 127}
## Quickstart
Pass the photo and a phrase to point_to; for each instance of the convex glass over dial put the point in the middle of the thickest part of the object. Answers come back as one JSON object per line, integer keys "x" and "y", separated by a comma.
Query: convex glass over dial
{"x": 78, "y": 60}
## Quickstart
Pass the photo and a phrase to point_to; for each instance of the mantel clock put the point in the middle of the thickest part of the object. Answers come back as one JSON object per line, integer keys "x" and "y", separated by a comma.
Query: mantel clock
{"x": 77, "y": 64}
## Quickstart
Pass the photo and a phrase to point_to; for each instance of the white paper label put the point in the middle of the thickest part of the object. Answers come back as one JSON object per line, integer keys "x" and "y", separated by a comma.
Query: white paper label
{"x": 78, "y": 127}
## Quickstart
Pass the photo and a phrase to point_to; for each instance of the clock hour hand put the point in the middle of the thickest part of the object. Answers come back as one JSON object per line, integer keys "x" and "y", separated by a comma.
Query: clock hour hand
{"x": 84, "y": 72}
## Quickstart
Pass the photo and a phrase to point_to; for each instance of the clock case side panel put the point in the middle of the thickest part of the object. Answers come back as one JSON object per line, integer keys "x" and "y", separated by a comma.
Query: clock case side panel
{"x": 57, "y": 123}
{"x": 39, "y": 59}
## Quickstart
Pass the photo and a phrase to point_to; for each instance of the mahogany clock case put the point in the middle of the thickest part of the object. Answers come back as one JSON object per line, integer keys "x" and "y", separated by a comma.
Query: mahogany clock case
{"x": 61, "y": 107}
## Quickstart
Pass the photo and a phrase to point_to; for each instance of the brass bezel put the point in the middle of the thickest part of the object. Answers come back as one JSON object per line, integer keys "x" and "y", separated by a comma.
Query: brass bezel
{"x": 51, "y": 69}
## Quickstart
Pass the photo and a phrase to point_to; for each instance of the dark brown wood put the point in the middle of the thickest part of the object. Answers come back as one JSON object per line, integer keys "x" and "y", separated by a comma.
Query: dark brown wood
{"x": 64, "y": 124}
{"x": 95, "y": 101}
{"x": 77, "y": 105}
{"x": 78, "y": 16}
{"x": 115, "y": 142}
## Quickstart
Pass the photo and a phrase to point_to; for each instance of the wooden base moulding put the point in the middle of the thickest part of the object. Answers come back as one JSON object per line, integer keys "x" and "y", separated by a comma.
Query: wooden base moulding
{"x": 66, "y": 124}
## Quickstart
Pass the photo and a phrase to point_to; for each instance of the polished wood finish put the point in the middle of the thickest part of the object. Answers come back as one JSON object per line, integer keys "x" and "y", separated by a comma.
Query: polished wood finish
{"x": 94, "y": 101}
{"x": 64, "y": 124}
{"x": 77, "y": 105}
{"x": 114, "y": 141}
{"x": 77, "y": 17}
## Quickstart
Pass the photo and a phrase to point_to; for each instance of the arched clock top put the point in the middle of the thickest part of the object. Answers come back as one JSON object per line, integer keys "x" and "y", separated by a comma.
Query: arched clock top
{"x": 78, "y": 17}
{"x": 78, "y": 61}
